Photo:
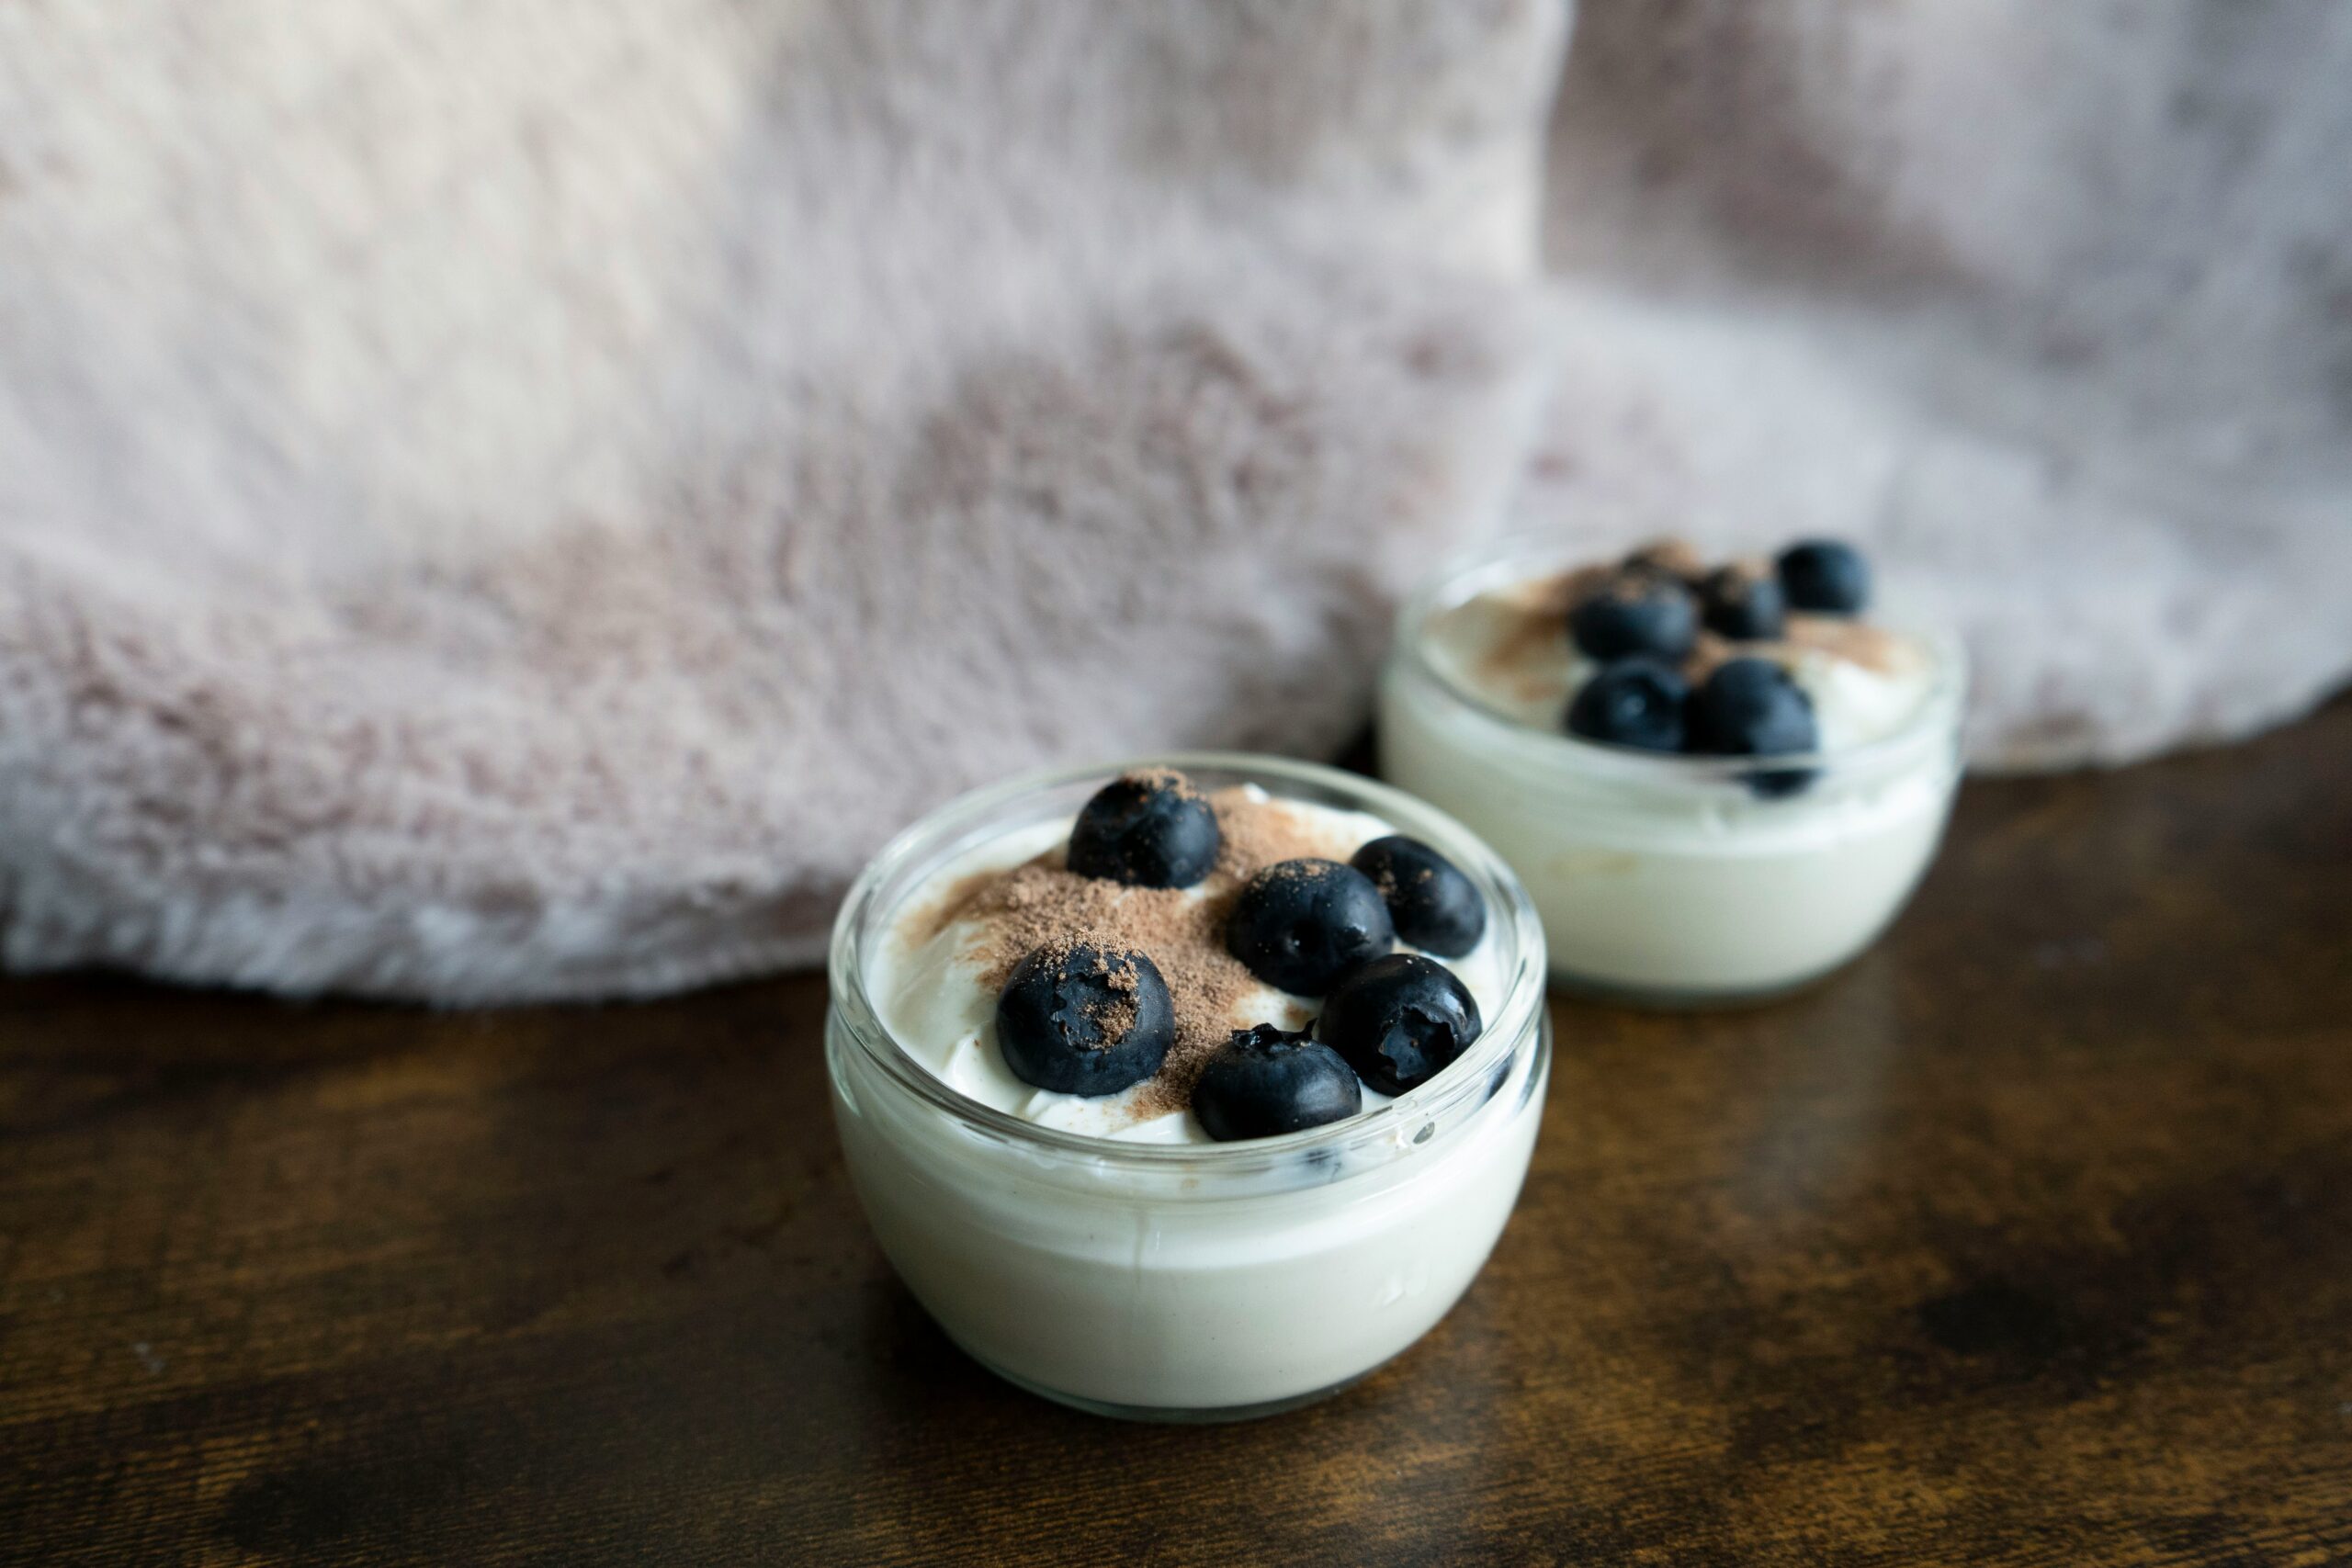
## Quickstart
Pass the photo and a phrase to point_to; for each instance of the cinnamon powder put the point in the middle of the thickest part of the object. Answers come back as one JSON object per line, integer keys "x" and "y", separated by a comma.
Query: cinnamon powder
{"x": 1042, "y": 904}
{"x": 1533, "y": 617}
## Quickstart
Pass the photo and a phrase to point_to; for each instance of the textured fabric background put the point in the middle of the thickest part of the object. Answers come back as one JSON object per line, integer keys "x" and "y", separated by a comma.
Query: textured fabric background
{"x": 2050, "y": 303}
{"x": 517, "y": 499}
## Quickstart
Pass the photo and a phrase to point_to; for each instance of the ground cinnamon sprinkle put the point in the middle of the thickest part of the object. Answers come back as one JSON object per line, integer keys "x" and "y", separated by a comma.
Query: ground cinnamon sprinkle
{"x": 1169, "y": 779}
{"x": 1857, "y": 642}
{"x": 922, "y": 923}
{"x": 1264, "y": 832}
{"x": 1533, "y": 618}
{"x": 1042, "y": 904}
{"x": 1711, "y": 650}
{"x": 1672, "y": 556}
{"x": 1112, "y": 1016}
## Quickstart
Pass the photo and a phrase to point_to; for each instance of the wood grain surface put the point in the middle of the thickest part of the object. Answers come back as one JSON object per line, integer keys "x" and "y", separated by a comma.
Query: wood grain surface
{"x": 2027, "y": 1239}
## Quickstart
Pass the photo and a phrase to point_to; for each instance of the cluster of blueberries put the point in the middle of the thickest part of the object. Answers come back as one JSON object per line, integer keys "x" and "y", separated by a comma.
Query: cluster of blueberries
{"x": 1314, "y": 928}
{"x": 1643, "y": 623}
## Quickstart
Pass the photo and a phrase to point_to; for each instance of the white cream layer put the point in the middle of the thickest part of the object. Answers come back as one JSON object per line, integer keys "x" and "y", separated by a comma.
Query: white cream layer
{"x": 1853, "y": 703}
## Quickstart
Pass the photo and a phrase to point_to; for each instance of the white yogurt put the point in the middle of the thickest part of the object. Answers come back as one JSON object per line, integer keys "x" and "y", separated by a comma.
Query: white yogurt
{"x": 1665, "y": 876}
{"x": 1125, "y": 1264}
{"x": 930, "y": 990}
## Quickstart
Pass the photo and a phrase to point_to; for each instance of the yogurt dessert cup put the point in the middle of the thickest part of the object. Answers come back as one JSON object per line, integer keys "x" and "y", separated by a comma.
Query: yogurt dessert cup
{"x": 1717, "y": 783}
{"x": 1205, "y": 1219}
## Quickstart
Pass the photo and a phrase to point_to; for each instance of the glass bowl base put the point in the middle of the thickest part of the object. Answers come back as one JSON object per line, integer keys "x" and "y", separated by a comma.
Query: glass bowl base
{"x": 1665, "y": 999}
{"x": 1172, "y": 1414}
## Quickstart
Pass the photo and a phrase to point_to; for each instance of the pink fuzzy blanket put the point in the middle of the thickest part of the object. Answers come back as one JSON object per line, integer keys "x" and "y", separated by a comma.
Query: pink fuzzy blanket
{"x": 518, "y": 500}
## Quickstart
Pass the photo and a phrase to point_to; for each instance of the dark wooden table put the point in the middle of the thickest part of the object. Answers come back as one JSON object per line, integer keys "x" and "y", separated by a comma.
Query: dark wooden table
{"x": 2027, "y": 1239}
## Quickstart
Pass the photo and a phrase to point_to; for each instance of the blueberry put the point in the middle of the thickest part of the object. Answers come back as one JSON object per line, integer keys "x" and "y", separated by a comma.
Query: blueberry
{"x": 1632, "y": 702}
{"x": 1432, "y": 905}
{"x": 1300, "y": 924}
{"x": 1749, "y": 707}
{"x": 1744, "y": 604}
{"x": 1078, "y": 1020}
{"x": 1635, "y": 612}
{"x": 1401, "y": 1020}
{"x": 1263, "y": 1082}
{"x": 1825, "y": 576}
{"x": 1147, "y": 829}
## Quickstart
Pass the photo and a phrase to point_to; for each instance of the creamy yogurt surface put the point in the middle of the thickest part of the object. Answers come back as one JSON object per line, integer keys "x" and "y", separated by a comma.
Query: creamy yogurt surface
{"x": 935, "y": 979}
{"x": 1509, "y": 650}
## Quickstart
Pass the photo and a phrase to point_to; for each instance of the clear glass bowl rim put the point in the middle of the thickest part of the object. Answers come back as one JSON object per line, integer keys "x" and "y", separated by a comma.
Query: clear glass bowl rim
{"x": 964, "y": 821}
{"x": 1516, "y": 557}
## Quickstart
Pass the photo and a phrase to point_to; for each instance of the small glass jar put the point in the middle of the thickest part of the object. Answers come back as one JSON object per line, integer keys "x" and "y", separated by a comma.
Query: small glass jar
{"x": 1184, "y": 1282}
{"x": 1667, "y": 879}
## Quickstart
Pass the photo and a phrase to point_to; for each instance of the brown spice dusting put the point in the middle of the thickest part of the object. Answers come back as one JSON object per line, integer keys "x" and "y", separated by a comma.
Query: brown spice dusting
{"x": 1042, "y": 904}
{"x": 1115, "y": 1017}
{"x": 1552, "y": 596}
{"x": 1672, "y": 556}
{"x": 1169, "y": 779}
{"x": 922, "y": 924}
{"x": 1631, "y": 587}
{"x": 1738, "y": 579}
{"x": 1531, "y": 616}
{"x": 1709, "y": 652}
{"x": 1263, "y": 832}
{"x": 1857, "y": 642}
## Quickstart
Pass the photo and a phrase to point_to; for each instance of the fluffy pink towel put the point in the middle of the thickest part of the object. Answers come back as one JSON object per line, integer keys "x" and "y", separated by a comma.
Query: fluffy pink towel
{"x": 518, "y": 500}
